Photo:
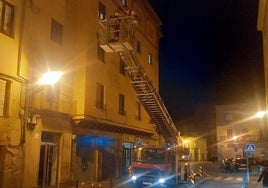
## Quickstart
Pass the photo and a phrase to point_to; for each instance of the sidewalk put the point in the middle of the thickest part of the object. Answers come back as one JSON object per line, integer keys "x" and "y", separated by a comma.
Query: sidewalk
{"x": 115, "y": 183}
{"x": 253, "y": 182}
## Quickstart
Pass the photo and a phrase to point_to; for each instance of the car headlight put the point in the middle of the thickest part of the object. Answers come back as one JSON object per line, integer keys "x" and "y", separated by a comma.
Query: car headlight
{"x": 162, "y": 180}
{"x": 134, "y": 178}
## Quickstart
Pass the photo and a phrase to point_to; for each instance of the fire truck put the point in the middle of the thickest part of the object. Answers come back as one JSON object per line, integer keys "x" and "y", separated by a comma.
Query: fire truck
{"x": 158, "y": 166}
{"x": 152, "y": 165}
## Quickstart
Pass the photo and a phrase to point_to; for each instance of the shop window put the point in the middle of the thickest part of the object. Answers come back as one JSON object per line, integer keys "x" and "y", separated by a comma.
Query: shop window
{"x": 4, "y": 96}
{"x": 99, "y": 96}
{"x": 121, "y": 104}
{"x": 56, "y": 33}
{"x": 6, "y": 18}
{"x": 101, "y": 12}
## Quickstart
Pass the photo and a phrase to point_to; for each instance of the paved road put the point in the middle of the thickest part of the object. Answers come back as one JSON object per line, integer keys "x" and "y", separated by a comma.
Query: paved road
{"x": 215, "y": 177}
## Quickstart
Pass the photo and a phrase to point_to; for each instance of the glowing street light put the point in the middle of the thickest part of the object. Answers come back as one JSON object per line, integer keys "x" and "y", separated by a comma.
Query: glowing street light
{"x": 261, "y": 114}
{"x": 50, "y": 78}
{"x": 235, "y": 138}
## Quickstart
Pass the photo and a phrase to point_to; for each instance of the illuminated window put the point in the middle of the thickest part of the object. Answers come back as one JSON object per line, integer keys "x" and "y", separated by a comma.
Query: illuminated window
{"x": 4, "y": 96}
{"x": 56, "y": 33}
{"x": 99, "y": 96}
{"x": 6, "y": 18}
{"x": 150, "y": 58}
{"x": 101, "y": 12}
{"x": 124, "y": 2}
{"x": 121, "y": 104}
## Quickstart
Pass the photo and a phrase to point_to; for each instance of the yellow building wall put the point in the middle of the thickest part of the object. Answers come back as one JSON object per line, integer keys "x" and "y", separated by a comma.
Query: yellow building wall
{"x": 92, "y": 71}
{"x": 31, "y": 52}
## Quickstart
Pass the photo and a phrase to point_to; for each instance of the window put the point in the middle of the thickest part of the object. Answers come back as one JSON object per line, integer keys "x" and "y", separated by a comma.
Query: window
{"x": 121, "y": 104}
{"x": 99, "y": 96}
{"x": 4, "y": 96}
{"x": 56, "y": 33}
{"x": 229, "y": 133}
{"x": 228, "y": 116}
{"x": 150, "y": 58}
{"x": 122, "y": 67}
{"x": 138, "y": 46}
{"x": 101, "y": 12}
{"x": 101, "y": 54}
{"x": 124, "y": 2}
{"x": 6, "y": 18}
{"x": 138, "y": 108}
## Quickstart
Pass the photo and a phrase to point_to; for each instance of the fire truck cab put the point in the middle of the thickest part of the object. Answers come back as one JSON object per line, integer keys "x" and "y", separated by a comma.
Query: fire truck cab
{"x": 155, "y": 166}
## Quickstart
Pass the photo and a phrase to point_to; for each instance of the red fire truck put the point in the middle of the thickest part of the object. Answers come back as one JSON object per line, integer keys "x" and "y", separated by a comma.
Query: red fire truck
{"x": 160, "y": 166}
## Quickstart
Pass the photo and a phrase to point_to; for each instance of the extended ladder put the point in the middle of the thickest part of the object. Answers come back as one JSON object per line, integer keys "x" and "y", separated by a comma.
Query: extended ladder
{"x": 116, "y": 35}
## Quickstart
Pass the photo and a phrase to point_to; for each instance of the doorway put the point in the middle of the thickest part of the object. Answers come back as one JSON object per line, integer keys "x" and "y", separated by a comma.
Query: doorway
{"x": 48, "y": 163}
{"x": 128, "y": 149}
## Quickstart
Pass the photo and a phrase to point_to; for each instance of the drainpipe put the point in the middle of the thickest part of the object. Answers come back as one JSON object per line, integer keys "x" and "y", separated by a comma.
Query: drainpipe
{"x": 24, "y": 84}
{"x": 24, "y": 90}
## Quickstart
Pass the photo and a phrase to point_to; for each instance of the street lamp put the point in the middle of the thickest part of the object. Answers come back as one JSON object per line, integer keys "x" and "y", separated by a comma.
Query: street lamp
{"x": 49, "y": 78}
{"x": 261, "y": 114}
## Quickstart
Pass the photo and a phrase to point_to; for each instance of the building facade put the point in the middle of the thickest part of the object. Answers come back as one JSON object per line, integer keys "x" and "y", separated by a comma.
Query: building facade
{"x": 262, "y": 25}
{"x": 195, "y": 147}
{"x": 74, "y": 130}
{"x": 237, "y": 126}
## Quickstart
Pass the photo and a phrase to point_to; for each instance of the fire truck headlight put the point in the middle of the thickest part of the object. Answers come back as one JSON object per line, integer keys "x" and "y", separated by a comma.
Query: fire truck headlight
{"x": 133, "y": 178}
{"x": 162, "y": 180}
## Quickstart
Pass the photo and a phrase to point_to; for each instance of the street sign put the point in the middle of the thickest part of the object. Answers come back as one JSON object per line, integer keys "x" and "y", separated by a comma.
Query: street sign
{"x": 250, "y": 148}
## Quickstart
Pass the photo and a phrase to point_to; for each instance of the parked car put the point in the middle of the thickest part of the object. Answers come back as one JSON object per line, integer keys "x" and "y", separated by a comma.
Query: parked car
{"x": 244, "y": 163}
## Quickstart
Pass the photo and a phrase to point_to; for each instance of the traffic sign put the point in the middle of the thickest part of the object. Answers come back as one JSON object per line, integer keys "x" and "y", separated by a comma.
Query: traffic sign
{"x": 250, "y": 148}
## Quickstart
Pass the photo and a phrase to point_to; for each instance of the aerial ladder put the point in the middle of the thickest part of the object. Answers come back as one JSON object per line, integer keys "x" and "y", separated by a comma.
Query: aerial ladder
{"x": 116, "y": 34}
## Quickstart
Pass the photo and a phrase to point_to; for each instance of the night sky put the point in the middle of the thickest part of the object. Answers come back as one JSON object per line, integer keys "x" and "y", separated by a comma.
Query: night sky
{"x": 211, "y": 52}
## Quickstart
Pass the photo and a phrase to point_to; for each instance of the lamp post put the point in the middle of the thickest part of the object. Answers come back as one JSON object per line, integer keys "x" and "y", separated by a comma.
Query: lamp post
{"x": 49, "y": 78}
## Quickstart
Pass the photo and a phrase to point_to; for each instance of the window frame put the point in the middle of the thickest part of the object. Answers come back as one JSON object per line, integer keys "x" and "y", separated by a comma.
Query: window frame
{"x": 7, "y": 18}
